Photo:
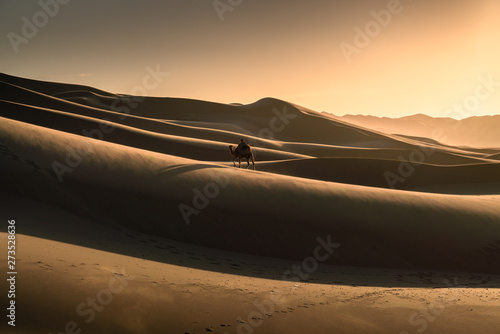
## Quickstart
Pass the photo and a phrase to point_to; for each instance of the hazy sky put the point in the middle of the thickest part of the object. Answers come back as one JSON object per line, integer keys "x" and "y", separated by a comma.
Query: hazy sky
{"x": 421, "y": 56}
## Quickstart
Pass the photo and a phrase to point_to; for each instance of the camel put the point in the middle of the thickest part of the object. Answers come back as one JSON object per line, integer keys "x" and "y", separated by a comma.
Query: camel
{"x": 247, "y": 154}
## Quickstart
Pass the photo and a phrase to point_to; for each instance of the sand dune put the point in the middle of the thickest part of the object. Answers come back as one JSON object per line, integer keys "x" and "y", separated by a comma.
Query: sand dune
{"x": 138, "y": 154}
{"x": 122, "y": 181}
{"x": 177, "y": 288}
{"x": 371, "y": 172}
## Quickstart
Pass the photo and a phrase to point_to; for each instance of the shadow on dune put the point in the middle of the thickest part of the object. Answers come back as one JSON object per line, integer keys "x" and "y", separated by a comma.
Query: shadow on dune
{"x": 176, "y": 170}
{"x": 85, "y": 231}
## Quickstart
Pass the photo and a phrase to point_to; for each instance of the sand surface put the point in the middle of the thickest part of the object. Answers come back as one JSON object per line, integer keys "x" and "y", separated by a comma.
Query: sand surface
{"x": 130, "y": 218}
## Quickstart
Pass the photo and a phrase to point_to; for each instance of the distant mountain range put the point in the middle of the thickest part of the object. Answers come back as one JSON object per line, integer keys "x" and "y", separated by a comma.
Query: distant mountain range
{"x": 477, "y": 131}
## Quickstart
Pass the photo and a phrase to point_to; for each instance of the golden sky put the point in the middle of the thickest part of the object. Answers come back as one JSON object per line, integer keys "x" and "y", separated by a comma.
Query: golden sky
{"x": 421, "y": 56}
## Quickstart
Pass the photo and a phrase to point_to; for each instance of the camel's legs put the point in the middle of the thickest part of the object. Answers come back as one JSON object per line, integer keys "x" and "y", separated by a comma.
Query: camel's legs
{"x": 234, "y": 163}
{"x": 239, "y": 160}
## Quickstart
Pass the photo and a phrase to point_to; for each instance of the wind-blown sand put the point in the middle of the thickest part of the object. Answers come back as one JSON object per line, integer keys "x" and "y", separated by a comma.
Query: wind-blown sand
{"x": 134, "y": 202}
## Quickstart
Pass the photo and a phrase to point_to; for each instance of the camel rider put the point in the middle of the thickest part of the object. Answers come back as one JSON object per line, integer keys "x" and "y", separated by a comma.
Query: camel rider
{"x": 242, "y": 147}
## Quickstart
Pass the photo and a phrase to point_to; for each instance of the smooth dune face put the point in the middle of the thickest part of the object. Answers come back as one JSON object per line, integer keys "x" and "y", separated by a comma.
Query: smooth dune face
{"x": 131, "y": 182}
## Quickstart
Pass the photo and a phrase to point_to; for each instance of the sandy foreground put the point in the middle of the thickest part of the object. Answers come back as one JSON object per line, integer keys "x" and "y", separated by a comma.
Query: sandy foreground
{"x": 130, "y": 218}
{"x": 192, "y": 289}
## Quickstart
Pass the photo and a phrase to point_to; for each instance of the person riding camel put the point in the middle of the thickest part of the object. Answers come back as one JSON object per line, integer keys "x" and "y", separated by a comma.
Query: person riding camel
{"x": 242, "y": 147}
{"x": 243, "y": 150}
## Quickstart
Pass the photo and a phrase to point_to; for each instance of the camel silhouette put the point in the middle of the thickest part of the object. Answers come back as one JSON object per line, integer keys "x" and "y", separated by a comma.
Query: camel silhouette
{"x": 246, "y": 154}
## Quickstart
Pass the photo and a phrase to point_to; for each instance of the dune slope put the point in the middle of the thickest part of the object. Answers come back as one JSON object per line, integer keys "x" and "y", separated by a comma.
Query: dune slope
{"x": 162, "y": 168}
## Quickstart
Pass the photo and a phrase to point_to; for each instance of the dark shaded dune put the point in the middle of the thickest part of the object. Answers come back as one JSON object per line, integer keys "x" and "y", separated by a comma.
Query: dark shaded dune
{"x": 494, "y": 156}
{"x": 200, "y": 124}
{"x": 467, "y": 149}
{"x": 260, "y": 120}
{"x": 224, "y": 127}
{"x": 181, "y": 109}
{"x": 46, "y": 87}
{"x": 312, "y": 127}
{"x": 267, "y": 118}
{"x": 430, "y": 155}
{"x": 21, "y": 95}
{"x": 178, "y": 109}
{"x": 360, "y": 171}
{"x": 256, "y": 119}
{"x": 301, "y": 131}
{"x": 374, "y": 172}
{"x": 422, "y": 139}
{"x": 354, "y": 168}
{"x": 49, "y": 105}
{"x": 474, "y": 179}
{"x": 213, "y": 149}
{"x": 88, "y": 98}
{"x": 129, "y": 136}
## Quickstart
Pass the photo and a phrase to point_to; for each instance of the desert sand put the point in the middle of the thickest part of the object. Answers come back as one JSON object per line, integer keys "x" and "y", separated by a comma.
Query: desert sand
{"x": 130, "y": 218}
